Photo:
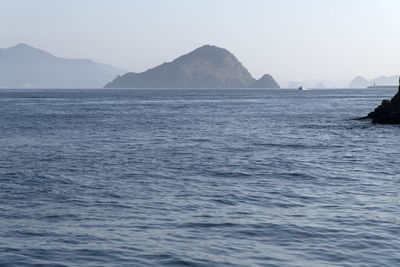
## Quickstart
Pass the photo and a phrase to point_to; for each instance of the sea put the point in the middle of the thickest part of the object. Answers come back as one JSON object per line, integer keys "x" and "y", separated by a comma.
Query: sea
{"x": 182, "y": 177}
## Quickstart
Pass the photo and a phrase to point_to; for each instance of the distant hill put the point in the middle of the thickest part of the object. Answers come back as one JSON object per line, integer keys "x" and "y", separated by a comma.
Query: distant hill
{"x": 205, "y": 67}
{"x": 318, "y": 83}
{"x": 23, "y": 66}
{"x": 361, "y": 82}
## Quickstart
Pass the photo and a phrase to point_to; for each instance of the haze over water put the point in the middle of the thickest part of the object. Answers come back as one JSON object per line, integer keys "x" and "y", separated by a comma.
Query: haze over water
{"x": 197, "y": 178}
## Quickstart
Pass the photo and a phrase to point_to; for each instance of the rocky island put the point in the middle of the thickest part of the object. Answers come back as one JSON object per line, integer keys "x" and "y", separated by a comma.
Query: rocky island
{"x": 266, "y": 81}
{"x": 205, "y": 67}
{"x": 388, "y": 112}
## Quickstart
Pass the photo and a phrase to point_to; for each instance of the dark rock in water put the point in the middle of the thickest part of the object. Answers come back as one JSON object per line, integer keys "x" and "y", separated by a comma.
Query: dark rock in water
{"x": 266, "y": 81}
{"x": 388, "y": 112}
{"x": 206, "y": 67}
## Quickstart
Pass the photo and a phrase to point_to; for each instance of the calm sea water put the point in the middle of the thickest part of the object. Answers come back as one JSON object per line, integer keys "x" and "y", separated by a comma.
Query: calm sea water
{"x": 197, "y": 178}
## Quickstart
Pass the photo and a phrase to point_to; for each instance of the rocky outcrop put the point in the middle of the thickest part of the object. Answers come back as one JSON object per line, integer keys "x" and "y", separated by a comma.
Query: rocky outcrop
{"x": 206, "y": 67}
{"x": 388, "y": 112}
{"x": 266, "y": 81}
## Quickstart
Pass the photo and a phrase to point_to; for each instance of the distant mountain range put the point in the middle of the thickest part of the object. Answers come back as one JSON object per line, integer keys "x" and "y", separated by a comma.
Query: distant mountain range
{"x": 361, "y": 82}
{"x": 357, "y": 82}
{"x": 23, "y": 66}
{"x": 206, "y": 67}
{"x": 319, "y": 83}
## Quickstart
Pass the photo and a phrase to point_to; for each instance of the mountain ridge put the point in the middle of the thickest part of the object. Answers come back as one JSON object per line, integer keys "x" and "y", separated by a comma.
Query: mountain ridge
{"x": 24, "y": 66}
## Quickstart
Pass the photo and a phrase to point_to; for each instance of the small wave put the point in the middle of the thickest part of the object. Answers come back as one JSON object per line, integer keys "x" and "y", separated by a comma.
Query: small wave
{"x": 230, "y": 174}
{"x": 225, "y": 202}
{"x": 295, "y": 146}
{"x": 207, "y": 225}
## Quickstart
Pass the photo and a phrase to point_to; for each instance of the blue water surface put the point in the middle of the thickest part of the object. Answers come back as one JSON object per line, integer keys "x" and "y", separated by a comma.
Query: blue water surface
{"x": 197, "y": 178}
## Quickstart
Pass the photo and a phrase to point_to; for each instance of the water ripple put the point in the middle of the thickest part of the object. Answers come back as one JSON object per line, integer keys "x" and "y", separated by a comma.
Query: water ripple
{"x": 197, "y": 178}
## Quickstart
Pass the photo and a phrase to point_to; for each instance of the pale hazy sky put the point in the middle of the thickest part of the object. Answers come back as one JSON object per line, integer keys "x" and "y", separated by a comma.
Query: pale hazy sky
{"x": 290, "y": 39}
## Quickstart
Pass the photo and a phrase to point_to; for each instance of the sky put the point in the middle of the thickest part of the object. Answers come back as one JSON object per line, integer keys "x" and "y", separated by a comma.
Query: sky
{"x": 289, "y": 39}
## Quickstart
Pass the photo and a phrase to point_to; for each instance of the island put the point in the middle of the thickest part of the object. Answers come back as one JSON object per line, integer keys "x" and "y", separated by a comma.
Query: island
{"x": 205, "y": 67}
